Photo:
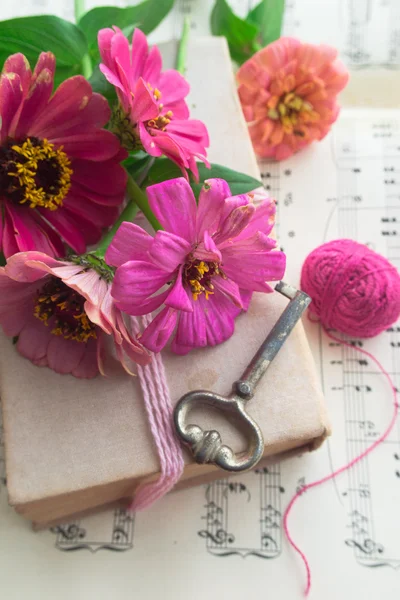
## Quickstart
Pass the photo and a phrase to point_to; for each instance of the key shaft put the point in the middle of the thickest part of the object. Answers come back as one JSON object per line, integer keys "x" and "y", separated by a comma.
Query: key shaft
{"x": 245, "y": 386}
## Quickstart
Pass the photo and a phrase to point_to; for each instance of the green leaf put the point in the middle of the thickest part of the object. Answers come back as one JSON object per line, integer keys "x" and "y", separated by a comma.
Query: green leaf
{"x": 164, "y": 169}
{"x": 241, "y": 35}
{"x": 46, "y": 33}
{"x": 268, "y": 16}
{"x": 100, "y": 85}
{"x": 147, "y": 16}
{"x": 137, "y": 165}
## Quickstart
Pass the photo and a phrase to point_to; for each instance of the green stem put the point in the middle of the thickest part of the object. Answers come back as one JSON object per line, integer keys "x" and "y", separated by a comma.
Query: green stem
{"x": 183, "y": 44}
{"x": 79, "y": 9}
{"x": 87, "y": 67}
{"x": 139, "y": 197}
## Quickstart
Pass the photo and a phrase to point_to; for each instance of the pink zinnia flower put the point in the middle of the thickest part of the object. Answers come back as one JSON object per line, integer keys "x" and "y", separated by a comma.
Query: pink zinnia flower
{"x": 211, "y": 257}
{"x": 62, "y": 313}
{"x": 60, "y": 178}
{"x": 153, "y": 113}
{"x": 288, "y": 93}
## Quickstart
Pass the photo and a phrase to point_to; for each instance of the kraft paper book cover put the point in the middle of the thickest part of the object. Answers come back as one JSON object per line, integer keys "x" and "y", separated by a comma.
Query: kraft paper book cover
{"x": 75, "y": 445}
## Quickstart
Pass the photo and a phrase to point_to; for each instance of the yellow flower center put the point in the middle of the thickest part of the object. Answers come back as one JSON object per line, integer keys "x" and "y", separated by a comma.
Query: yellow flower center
{"x": 161, "y": 122}
{"x": 197, "y": 274}
{"x": 156, "y": 93}
{"x": 34, "y": 172}
{"x": 291, "y": 110}
{"x": 61, "y": 308}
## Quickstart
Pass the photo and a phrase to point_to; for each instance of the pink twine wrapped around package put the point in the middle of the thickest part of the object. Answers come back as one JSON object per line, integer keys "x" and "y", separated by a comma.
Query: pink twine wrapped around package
{"x": 158, "y": 407}
{"x": 354, "y": 291}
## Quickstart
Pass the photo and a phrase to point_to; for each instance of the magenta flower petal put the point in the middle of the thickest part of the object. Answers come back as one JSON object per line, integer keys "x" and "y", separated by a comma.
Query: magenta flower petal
{"x": 149, "y": 141}
{"x": 129, "y": 243}
{"x": 174, "y": 86}
{"x": 10, "y": 101}
{"x": 191, "y": 331}
{"x": 143, "y": 305}
{"x": 97, "y": 145}
{"x": 254, "y": 246}
{"x": 153, "y": 101}
{"x": 174, "y": 205}
{"x": 93, "y": 115}
{"x": 18, "y": 269}
{"x": 230, "y": 289}
{"x": 144, "y": 107}
{"x": 61, "y": 310}
{"x": 190, "y": 134}
{"x": 9, "y": 242}
{"x": 159, "y": 142}
{"x": 105, "y": 180}
{"x": 63, "y": 356}
{"x": 152, "y": 68}
{"x": 168, "y": 250}
{"x": 211, "y": 200}
{"x": 180, "y": 110}
{"x": 229, "y": 206}
{"x": 70, "y": 97}
{"x": 204, "y": 278}
{"x": 98, "y": 215}
{"x": 56, "y": 145}
{"x": 46, "y": 61}
{"x": 139, "y": 54}
{"x": 120, "y": 51}
{"x": 235, "y": 222}
{"x": 263, "y": 219}
{"x": 258, "y": 271}
{"x": 45, "y": 238}
{"x": 36, "y": 102}
{"x": 135, "y": 282}
{"x": 33, "y": 341}
{"x": 220, "y": 322}
{"x": 111, "y": 77}
{"x": 88, "y": 366}
{"x": 104, "y": 38}
{"x": 157, "y": 334}
{"x": 66, "y": 226}
{"x": 207, "y": 249}
{"x": 20, "y": 229}
{"x": 17, "y": 63}
{"x": 178, "y": 297}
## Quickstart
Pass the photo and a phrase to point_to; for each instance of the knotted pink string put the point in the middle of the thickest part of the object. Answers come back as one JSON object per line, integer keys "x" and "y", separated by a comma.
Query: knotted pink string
{"x": 345, "y": 467}
{"x": 158, "y": 406}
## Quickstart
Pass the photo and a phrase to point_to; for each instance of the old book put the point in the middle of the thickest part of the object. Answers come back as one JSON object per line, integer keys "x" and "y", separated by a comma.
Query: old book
{"x": 75, "y": 445}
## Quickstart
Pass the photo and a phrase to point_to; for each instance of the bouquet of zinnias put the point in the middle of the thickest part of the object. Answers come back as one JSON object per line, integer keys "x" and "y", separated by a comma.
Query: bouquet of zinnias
{"x": 75, "y": 168}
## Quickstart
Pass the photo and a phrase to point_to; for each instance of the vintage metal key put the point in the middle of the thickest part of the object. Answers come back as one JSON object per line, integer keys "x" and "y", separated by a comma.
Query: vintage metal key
{"x": 207, "y": 446}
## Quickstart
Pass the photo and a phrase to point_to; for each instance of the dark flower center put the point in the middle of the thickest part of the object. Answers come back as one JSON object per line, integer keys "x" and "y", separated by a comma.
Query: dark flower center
{"x": 34, "y": 172}
{"x": 61, "y": 308}
{"x": 198, "y": 275}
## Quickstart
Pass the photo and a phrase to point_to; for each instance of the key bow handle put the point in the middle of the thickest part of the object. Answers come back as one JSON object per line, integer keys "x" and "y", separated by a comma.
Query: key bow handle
{"x": 206, "y": 445}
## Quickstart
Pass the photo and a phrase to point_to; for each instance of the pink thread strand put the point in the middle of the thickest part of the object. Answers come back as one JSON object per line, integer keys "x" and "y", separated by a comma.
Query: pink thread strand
{"x": 345, "y": 467}
{"x": 158, "y": 407}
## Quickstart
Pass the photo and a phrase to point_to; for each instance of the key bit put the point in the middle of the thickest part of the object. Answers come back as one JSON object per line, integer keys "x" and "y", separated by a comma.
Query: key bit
{"x": 207, "y": 446}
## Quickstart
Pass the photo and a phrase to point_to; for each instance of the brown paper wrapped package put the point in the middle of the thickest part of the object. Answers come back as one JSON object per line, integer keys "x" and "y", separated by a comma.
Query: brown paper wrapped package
{"x": 75, "y": 445}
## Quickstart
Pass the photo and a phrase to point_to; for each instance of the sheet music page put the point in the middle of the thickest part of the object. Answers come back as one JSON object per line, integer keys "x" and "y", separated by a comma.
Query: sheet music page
{"x": 225, "y": 539}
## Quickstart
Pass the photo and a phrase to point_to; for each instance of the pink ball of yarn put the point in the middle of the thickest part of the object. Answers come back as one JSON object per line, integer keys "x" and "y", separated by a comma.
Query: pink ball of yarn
{"x": 353, "y": 289}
